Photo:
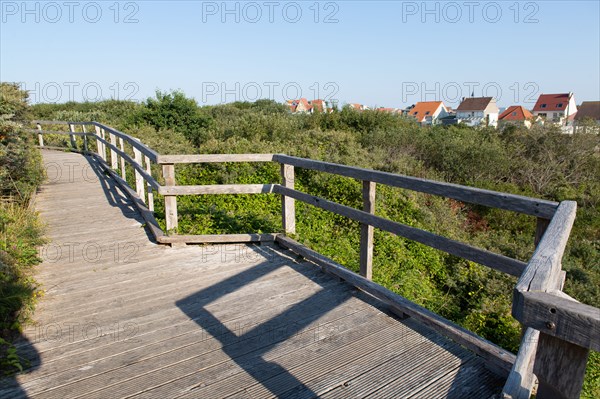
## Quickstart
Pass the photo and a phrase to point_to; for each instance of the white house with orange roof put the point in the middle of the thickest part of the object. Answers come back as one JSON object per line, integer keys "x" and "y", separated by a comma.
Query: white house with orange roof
{"x": 428, "y": 112}
{"x": 555, "y": 108}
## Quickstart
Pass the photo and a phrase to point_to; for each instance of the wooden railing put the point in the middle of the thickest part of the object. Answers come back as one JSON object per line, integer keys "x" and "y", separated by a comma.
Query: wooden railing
{"x": 558, "y": 331}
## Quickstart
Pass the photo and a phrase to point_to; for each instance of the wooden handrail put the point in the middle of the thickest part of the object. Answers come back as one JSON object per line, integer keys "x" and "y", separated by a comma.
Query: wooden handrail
{"x": 492, "y": 199}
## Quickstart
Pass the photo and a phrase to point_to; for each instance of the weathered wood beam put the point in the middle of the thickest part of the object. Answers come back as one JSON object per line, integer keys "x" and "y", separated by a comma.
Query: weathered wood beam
{"x": 561, "y": 317}
{"x": 495, "y": 261}
{"x": 213, "y": 158}
{"x": 216, "y": 189}
{"x": 216, "y": 238}
{"x": 170, "y": 200}
{"x": 493, "y": 199}
{"x": 288, "y": 205}
{"x": 366, "y": 231}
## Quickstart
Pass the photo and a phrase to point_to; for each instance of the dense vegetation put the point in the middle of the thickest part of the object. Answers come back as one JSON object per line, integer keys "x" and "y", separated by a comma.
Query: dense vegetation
{"x": 540, "y": 162}
{"x": 20, "y": 232}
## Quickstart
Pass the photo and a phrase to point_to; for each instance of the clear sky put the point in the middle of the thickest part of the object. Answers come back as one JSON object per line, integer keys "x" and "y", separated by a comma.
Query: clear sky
{"x": 378, "y": 53}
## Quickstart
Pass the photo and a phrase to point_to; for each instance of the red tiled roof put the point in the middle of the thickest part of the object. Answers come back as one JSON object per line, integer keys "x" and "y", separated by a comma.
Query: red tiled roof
{"x": 318, "y": 104}
{"x": 474, "y": 104}
{"x": 552, "y": 102}
{"x": 515, "y": 113}
{"x": 424, "y": 109}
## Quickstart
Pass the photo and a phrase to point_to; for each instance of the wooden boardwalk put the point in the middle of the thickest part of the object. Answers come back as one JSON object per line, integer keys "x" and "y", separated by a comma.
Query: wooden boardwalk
{"x": 124, "y": 317}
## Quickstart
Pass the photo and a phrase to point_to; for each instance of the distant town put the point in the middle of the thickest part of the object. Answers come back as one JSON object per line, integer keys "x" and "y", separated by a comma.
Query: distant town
{"x": 558, "y": 109}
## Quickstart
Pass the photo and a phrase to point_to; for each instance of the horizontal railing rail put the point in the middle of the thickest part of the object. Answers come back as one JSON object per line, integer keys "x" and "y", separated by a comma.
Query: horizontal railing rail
{"x": 558, "y": 331}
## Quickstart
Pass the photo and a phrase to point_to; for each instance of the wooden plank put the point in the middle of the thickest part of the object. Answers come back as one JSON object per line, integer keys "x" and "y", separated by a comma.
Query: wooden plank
{"x": 211, "y": 158}
{"x": 149, "y": 188}
{"x": 560, "y": 368}
{"x": 493, "y": 199}
{"x": 561, "y": 317}
{"x": 495, "y": 261}
{"x": 170, "y": 200}
{"x": 216, "y": 189}
{"x": 521, "y": 379}
{"x": 216, "y": 238}
{"x": 366, "y": 232}
{"x": 114, "y": 162}
{"x": 288, "y": 206}
{"x": 499, "y": 360}
{"x": 144, "y": 149}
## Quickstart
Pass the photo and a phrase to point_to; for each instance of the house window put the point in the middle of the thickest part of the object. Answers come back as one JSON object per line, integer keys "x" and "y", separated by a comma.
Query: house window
{"x": 416, "y": 113}
{"x": 514, "y": 114}
{"x": 427, "y": 113}
{"x": 542, "y": 115}
{"x": 559, "y": 105}
{"x": 543, "y": 106}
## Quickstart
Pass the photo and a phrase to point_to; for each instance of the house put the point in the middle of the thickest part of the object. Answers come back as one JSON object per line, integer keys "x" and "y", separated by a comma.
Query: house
{"x": 304, "y": 106}
{"x": 318, "y": 105}
{"x": 587, "y": 114}
{"x": 478, "y": 111}
{"x": 358, "y": 107}
{"x": 428, "y": 112}
{"x": 588, "y": 110}
{"x": 388, "y": 110}
{"x": 556, "y": 108}
{"x": 516, "y": 115}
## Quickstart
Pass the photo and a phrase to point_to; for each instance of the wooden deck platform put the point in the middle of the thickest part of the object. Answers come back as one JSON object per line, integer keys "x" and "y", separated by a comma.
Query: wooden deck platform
{"x": 126, "y": 318}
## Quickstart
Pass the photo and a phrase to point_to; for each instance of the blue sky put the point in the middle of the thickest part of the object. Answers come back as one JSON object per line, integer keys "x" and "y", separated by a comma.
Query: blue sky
{"x": 378, "y": 53}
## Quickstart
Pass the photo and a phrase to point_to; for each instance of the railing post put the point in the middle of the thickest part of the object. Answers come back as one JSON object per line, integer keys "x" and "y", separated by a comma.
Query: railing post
{"x": 40, "y": 135}
{"x": 149, "y": 187}
{"x": 114, "y": 162}
{"x": 98, "y": 143}
{"x": 560, "y": 368}
{"x": 72, "y": 136}
{"x": 288, "y": 205}
{"x": 170, "y": 200}
{"x": 85, "y": 139}
{"x": 123, "y": 170}
{"x": 366, "y": 231}
{"x": 139, "y": 180}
